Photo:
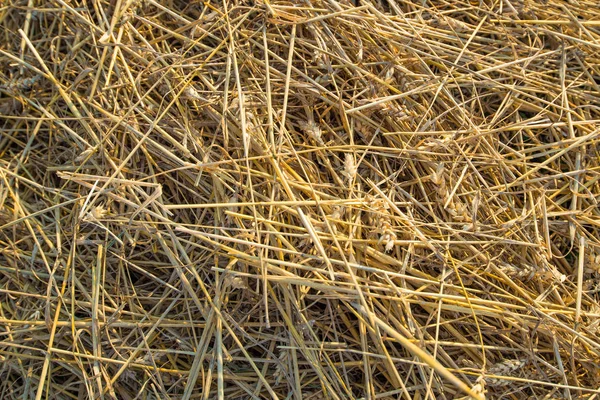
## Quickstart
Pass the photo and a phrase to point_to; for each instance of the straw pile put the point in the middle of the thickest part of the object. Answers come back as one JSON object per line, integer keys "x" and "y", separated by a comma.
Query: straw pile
{"x": 299, "y": 200}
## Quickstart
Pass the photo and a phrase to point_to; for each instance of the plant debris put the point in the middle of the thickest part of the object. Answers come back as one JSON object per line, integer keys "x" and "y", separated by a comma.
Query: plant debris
{"x": 299, "y": 199}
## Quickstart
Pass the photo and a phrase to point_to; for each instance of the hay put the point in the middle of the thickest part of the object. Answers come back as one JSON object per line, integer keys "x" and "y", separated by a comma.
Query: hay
{"x": 299, "y": 200}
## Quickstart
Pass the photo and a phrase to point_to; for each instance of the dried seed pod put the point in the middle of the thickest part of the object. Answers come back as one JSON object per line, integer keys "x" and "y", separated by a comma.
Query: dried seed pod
{"x": 350, "y": 168}
{"x": 504, "y": 368}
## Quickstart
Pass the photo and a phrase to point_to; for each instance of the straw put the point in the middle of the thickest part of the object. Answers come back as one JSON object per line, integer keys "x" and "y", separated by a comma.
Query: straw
{"x": 299, "y": 199}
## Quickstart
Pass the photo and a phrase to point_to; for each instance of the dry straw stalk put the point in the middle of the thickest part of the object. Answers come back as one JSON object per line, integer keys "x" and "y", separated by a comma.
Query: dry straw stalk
{"x": 299, "y": 199}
